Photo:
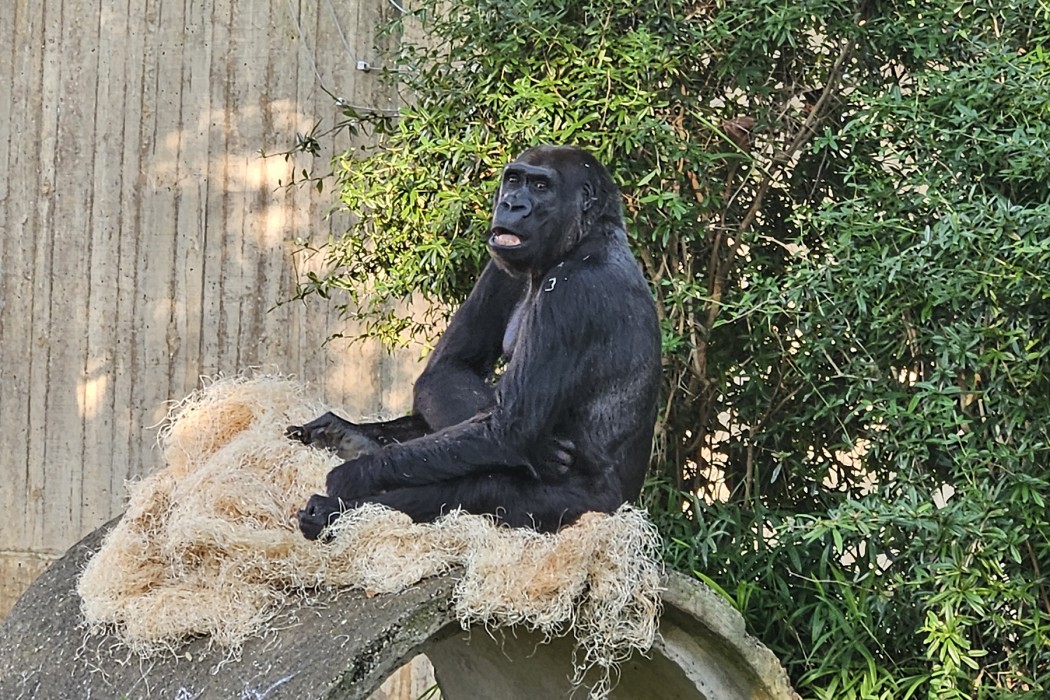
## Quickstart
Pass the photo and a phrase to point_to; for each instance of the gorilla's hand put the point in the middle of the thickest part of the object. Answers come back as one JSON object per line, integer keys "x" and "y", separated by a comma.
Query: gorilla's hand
{"x": 561, "y": 454}
{"x": 553, "y": 460}
{"x": 347, "y": 485}
{"x": 319, "y": 513}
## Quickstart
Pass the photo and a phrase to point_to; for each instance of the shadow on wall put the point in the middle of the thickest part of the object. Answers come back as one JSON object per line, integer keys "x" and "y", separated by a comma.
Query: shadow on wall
{"x": 146, "y": 242}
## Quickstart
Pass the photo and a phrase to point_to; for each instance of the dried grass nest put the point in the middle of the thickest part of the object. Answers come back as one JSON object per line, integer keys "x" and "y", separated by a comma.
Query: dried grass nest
{"x": 209, "y": 546}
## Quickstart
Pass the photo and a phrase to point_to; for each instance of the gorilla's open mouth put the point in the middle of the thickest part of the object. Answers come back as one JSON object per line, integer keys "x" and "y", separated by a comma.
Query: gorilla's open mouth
{"x": 502, "y": 238}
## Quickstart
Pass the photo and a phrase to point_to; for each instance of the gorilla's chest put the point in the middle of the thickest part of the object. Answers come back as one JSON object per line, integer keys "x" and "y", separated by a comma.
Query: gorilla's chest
{"x": 510, "y": 335}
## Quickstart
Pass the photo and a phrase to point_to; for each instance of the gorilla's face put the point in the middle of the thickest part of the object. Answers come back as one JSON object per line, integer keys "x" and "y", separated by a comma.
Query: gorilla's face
{"x": 538, "y": 213}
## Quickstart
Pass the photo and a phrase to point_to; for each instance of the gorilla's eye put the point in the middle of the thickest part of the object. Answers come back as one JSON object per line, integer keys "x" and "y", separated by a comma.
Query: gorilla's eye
{"x": 512, "y": 178}
{"x": 541, "y": 185}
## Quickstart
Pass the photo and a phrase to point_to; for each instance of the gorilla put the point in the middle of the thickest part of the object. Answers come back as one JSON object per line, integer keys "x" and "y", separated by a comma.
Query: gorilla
{"x": 567, "y": 426}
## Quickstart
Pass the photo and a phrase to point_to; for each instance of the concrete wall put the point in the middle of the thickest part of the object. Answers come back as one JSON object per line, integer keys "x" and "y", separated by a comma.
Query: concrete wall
{"x": 144, "y": 242}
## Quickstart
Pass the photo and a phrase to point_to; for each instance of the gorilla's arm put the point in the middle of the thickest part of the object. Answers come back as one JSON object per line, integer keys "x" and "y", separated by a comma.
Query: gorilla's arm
{"x": 452, "y": 388}
{"x": 455, "y": 386}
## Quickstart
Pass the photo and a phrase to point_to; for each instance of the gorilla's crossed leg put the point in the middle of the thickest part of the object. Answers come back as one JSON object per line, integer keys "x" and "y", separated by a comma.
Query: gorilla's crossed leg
{"x": 349, "y": 440}
{"x": 568, "y": 426}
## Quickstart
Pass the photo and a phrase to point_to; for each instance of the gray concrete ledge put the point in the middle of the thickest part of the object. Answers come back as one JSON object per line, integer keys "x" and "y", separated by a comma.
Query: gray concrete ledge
{"x": 344, "y": 644}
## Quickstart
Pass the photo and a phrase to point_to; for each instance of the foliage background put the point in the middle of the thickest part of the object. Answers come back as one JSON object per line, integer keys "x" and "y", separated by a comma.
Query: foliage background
{"x": 844, "y": 210}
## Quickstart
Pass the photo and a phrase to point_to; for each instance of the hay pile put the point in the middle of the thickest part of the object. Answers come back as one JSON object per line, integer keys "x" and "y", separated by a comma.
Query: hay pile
{"x": 209, "y": 544}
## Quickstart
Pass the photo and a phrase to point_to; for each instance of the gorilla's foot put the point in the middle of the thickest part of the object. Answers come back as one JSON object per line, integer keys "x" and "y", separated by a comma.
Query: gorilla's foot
{"x": 332, "y": 433}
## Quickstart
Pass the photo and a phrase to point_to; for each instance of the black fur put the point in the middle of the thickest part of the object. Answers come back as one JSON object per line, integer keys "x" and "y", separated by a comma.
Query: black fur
{"x": 568, "y": 426}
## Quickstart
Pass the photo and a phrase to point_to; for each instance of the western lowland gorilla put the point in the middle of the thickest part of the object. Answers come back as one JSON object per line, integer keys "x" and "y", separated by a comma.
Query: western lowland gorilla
{"x": 567, "y": 427}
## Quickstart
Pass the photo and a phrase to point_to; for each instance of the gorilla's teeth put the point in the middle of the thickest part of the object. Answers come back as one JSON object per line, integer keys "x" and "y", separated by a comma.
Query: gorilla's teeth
{"x": 506, "y": 240}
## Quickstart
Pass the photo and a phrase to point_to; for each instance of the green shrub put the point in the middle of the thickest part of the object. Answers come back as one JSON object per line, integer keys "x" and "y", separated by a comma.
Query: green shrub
{"x": 855, "y": 297}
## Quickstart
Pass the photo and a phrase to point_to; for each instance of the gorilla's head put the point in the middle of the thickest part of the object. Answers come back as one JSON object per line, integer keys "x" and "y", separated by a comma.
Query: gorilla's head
{"x": 549, "y": 199}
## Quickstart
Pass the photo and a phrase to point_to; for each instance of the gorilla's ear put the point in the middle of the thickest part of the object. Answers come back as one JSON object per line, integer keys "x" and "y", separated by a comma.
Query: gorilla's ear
{"x": 587, "y": 193}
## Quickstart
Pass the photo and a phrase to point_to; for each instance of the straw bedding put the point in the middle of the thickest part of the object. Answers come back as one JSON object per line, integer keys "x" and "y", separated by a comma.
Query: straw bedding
{"x": 209, "y": 545}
